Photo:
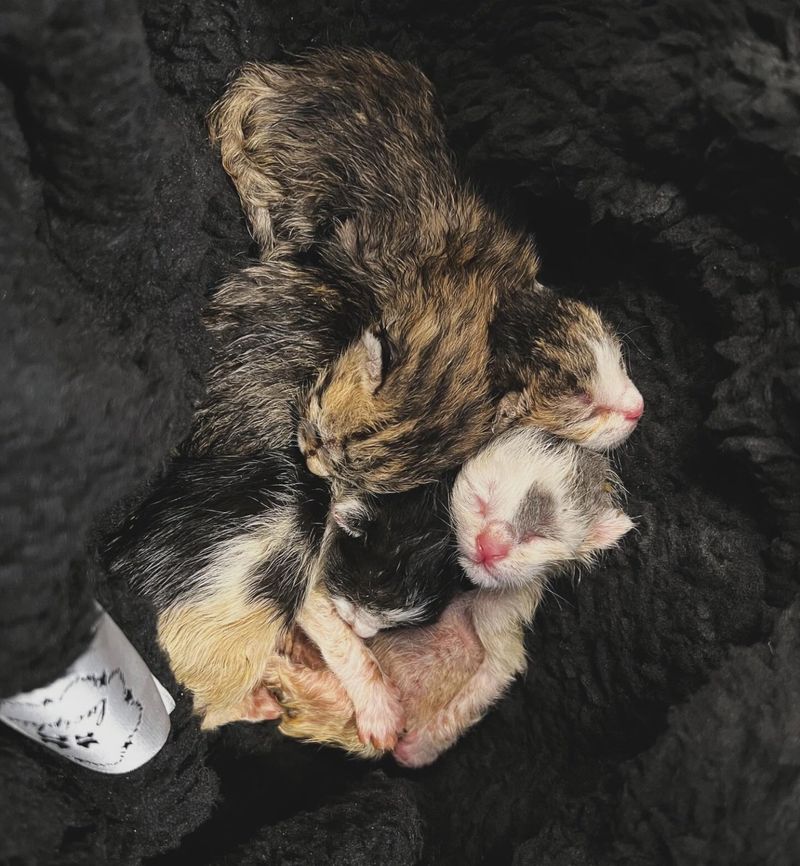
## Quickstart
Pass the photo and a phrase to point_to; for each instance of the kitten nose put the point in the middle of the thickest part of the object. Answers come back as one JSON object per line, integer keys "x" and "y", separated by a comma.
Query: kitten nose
{"x": 491, "y": 545}
{"x": 634, "y": 404}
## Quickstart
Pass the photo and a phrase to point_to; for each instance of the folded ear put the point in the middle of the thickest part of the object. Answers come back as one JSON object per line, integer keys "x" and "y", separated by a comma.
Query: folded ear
{"x": 607, "y": 530}
{"x": 373, "y": 362}
{"x": 351, "y": 515}
{"x": 509, "y": 409}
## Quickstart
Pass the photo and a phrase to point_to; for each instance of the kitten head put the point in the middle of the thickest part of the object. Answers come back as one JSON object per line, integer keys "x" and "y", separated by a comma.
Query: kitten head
{"x": 401, "y": 405}
{"x": 390, "y": 558}
{"x": 561, "y": 368}
{"x": 527, "y": 503}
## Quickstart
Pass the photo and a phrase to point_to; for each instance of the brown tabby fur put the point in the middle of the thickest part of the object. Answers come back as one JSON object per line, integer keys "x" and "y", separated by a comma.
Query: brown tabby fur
{"x": 344, "y": 154}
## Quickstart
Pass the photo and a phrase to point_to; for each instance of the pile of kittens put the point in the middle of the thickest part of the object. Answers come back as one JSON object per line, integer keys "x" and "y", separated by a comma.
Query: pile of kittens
{"x": 403, "y": 437}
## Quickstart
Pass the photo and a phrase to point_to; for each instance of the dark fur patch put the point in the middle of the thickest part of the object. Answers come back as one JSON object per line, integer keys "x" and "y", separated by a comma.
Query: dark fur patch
{"x": 536, "y": 512}
{"x": 404, "y": 558}
{"x": 198, "y": 506}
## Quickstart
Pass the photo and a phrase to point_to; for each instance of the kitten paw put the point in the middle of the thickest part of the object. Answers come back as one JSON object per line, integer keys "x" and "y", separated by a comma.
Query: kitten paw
{"x": 261, "y": 705}
{"x": 381, "y": 720}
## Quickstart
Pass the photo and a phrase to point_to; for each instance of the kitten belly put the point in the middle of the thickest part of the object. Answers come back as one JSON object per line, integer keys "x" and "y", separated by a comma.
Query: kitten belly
{"x": 430, "y": 664}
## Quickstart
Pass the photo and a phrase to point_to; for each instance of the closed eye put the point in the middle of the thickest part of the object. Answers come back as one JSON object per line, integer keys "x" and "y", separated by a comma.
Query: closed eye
{"x": 356, "y": 532}
{"x": 540, "y": 533}
{"x": 529, "y": 537}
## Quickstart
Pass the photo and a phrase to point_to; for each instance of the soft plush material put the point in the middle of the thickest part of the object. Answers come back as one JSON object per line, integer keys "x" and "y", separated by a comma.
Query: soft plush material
{"x": 653, "y": 149}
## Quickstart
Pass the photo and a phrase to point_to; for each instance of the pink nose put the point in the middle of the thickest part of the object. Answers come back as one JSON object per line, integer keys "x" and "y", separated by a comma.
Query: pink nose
{"x": 632, "y": 403}
{"x": 635, "y": 413}
{"x": 491, "y": 545}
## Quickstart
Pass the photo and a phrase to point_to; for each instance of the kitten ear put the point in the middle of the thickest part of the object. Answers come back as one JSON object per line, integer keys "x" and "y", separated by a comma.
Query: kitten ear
{"x": 509, "y": 409}
{"x": 607, "y": 530}
{"x": 372, "y": 371}
{"x": 350, "y": 514}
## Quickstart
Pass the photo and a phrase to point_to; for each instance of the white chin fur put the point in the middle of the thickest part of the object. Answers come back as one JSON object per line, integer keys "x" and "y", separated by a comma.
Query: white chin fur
{"x": 613, "y": 388}
{"x": 479, "y": 575}
{"x": 609, "y": 435}
{"x": 502, "y": 575}
{"x": 363, "y": 623}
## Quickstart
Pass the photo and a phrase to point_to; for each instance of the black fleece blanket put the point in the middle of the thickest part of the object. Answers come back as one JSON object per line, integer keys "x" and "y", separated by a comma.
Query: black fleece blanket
{"x": 654, "y": 149}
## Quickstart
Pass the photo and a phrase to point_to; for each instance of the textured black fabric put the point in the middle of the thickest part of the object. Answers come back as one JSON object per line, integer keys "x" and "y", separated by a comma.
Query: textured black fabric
{"x": 653, "y": 148}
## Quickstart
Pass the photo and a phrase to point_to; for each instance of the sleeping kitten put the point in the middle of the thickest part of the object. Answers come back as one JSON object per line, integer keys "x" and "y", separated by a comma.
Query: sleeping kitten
{"x": 556, "y": 505}
{"x": 237, "y": 552}
{"x": 344, "y": 155}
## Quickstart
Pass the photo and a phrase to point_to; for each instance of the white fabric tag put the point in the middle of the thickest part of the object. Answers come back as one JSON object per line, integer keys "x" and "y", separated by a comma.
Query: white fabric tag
{"x": 108, "y": 712}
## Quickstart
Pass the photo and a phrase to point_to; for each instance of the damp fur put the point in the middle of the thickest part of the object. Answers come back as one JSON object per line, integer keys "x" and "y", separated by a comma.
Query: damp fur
{"x": 343, "y": 156}
{"x": 237, "y": 552}
{"x": 274, "y": 326}
{"x": 449, "y": 673}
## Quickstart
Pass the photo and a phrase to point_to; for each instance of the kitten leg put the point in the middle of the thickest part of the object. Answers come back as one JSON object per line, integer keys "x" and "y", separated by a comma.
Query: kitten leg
{"x": 379, "y": 715}
{"x": 423, "y": 745}
{"x": 499, "y": 621}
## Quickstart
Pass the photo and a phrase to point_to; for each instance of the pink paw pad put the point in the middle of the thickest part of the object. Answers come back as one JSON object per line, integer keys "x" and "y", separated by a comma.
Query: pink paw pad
{"x": 262, "y": 705}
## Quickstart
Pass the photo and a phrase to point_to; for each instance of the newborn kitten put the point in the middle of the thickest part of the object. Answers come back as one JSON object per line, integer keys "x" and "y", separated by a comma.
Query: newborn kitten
{"x": 527, "y": 501}
{"x": 235, "y": 553}
{"x": 448, "y": 674}
{"x": 537, "y": 504}
{"x": 344, "y": 154}
{"x": 407, "y": 403}
{"x": 394, "y": 563}
{"x": 226, "y": 548}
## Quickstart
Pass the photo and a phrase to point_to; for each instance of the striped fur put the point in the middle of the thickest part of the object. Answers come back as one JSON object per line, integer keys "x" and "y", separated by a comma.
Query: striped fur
{"x": 343, "y": 155}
